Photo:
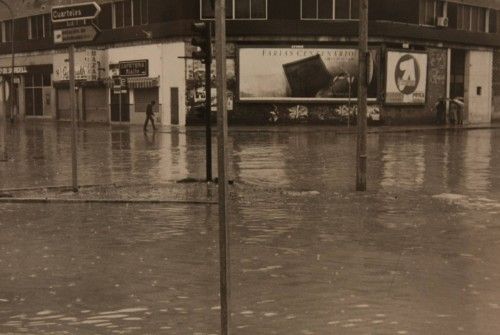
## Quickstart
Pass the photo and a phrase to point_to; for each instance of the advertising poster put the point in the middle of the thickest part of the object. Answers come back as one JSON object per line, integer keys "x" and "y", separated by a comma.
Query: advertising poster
{"x": 291, "y": 74}
{"x": 195, "y": 84}
{"x": 87, "y": 65}
{"x": 406, "y": 77}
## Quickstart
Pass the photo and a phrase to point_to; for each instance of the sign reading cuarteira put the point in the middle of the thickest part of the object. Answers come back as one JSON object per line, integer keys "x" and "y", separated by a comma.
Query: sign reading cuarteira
{"x": 134, "y": 68}
{"x": 81, "y": 11}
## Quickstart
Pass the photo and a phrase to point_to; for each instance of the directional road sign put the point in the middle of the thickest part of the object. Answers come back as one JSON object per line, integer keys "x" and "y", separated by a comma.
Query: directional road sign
{"x": 75, "y": 34}
{"x": 81, "y": 11}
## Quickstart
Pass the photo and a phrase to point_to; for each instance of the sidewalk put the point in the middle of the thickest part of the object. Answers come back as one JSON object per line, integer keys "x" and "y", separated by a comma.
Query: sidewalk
{"x": 311, "y": 128}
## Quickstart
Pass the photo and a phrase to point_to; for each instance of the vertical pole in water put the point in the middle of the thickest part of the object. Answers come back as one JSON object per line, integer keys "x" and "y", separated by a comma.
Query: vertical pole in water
{"x": 72, "y": 102}
{"x": 220, "y": 47}
{"x": 362, "y": 97}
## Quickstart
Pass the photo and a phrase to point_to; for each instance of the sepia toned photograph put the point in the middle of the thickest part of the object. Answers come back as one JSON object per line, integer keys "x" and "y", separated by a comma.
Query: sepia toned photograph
{"x": 249, "y": 167}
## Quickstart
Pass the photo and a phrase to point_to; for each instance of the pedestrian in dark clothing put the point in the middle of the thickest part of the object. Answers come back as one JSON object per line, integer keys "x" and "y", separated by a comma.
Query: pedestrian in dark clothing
{"x": 149, "y": 115}
{"x": 440, "y": 111}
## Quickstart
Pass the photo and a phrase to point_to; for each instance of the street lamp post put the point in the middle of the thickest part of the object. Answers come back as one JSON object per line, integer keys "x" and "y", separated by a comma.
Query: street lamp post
{"x": 11, "y": 84}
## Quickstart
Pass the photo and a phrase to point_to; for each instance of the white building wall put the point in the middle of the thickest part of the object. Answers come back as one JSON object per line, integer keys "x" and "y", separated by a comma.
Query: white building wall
{"x": 174, "y": 75}
{"x": 165, "y": 61}
{"x": 478, "y": 86}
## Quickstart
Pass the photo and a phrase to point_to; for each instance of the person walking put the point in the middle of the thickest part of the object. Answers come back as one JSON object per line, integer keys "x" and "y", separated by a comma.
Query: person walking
{"x": 149, "y": 116}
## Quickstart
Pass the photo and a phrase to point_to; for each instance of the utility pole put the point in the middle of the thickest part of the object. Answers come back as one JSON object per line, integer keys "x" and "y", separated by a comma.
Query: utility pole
{"x": 361, "y": 155}
{"x": 220, "y": 47}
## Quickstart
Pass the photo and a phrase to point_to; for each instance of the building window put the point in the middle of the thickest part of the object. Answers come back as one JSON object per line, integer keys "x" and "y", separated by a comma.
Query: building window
{"x": 493, "y": 14}
{"x": 471, "y": 18}
{"x": 39, "y": 27}
{"x": 140, "y": 10}
{"x": 329, "y": 9}
{"x": 130, "y": 13}
{"x": 7, "y": 30}
{"x": 237, "y": 9}
{"x": 427, "y": 12}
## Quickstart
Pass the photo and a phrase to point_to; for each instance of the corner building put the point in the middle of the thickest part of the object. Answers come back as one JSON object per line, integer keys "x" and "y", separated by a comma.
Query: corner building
{"x": 289, "y": 61}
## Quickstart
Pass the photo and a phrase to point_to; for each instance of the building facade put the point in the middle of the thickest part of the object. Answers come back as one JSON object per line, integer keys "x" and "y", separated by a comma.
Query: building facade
{"x": 288, "y": 61}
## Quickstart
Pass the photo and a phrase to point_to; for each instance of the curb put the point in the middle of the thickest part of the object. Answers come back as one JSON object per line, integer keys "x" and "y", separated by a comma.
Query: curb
{"x": 101, "y": 201}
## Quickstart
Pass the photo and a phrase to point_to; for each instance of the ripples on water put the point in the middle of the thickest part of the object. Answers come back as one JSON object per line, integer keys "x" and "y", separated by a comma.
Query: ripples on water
{"x": 417, "y": 254}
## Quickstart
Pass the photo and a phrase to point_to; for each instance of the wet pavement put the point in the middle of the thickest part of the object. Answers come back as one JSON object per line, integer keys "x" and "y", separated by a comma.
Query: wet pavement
{"x": 416, "y": 254}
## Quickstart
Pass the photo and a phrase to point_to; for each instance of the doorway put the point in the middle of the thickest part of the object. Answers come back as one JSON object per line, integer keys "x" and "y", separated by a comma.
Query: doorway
{"x": 120, "y": 107}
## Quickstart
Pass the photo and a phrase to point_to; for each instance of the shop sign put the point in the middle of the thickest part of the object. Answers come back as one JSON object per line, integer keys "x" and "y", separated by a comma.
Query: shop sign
{"x": 300, "y": 74}
{"x": 87, "y": 65}
{"x": 134, "y": 68}
{"x": 17, "y": 70}
{"x": 406, "y": 77}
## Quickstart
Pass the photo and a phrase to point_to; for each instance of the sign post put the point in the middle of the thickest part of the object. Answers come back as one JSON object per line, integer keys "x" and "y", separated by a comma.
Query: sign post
{"x": 83, "y": 11}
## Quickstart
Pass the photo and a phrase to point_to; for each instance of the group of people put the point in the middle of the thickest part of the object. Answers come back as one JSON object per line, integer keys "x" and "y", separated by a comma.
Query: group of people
{"x": 455, "y": 114}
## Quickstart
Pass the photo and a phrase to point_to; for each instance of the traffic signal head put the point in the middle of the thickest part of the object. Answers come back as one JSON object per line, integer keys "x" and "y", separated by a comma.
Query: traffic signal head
{"x": 202, "y": 40}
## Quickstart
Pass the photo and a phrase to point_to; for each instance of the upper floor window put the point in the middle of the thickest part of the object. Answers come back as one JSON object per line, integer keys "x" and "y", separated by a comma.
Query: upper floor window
{"x": 130, "y": 13}
{"x": 472, "y": 18}
{"x": 329, "y": 9}
{"x": 6, "y": 31}
{"x": 427, "y": 12}
{"x": 237, "y": 9}
{"x": 39, "y": 27}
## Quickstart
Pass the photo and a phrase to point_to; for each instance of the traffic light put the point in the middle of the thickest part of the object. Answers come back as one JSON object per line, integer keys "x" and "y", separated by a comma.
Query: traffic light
{"x": 203, "y": 41}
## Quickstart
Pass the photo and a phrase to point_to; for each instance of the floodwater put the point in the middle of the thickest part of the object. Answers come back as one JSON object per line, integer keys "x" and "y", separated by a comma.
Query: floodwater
{"x": 416, "y": 254}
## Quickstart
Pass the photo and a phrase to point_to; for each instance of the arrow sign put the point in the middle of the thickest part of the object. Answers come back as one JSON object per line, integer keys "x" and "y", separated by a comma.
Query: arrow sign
{"x": 81, "y": 11}
{"x": 75, "y": 35}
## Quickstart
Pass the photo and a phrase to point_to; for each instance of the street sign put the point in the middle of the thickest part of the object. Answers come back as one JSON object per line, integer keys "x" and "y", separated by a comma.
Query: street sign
{"x": 81, "y": 11}
{"x": 75, "y": 34}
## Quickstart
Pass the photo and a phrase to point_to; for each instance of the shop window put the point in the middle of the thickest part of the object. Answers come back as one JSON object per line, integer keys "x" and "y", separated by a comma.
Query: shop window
{"x": 427, "y": 12}
{"x": 329, "y": 9}
{"x": 237, "y": 9}
{"x": 33, "y": 92}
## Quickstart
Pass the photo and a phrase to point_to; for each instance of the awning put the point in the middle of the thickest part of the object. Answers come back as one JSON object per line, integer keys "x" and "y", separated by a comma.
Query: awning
{"x": 143, "y": 82}
{"x": 493, "y": 4}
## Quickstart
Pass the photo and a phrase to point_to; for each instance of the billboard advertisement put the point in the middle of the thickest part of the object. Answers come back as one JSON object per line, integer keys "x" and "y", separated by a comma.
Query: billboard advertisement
{"x": 302, "y": 74}
{"x": 406, "y": 75}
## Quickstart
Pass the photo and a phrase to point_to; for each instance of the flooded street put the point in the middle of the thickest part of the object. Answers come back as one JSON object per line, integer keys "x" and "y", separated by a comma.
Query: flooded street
{"x": 416, "y": 254}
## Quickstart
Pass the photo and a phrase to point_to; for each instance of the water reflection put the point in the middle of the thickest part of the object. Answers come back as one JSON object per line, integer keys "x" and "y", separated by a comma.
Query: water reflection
{"x": 417, "y": 254}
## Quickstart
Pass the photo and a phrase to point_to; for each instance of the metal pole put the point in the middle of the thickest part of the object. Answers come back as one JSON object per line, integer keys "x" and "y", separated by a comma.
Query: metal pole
{"x": 220, "y": 47}
{"x": 72, "y": 100}
{"x": 208, "y": 104}
{"x": 362, "y": 97}
{"x": 12, "y": 68}
{"x": 349, "y": 103}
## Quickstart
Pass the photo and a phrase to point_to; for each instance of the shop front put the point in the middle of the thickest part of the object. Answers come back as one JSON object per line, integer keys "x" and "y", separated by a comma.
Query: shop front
{"x": 32, "y": 91}
{"x": 91, "y": 92}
